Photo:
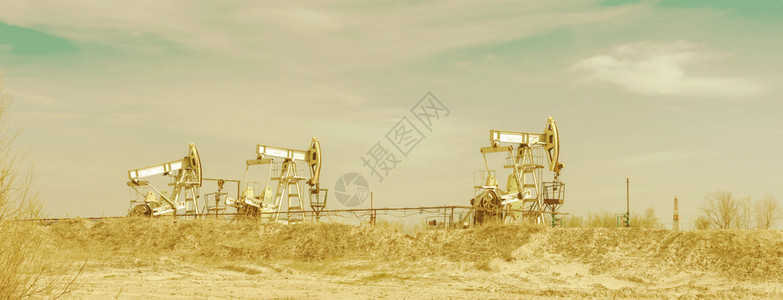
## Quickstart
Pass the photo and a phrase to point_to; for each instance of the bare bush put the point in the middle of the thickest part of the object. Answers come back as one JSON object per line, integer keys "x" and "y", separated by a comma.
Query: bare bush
{"x": 722, "y": 209}
{"x": 646, "y": 220}
{"x": 17, "y": 198}
{"x": 606, "y": 219}
{"x": 573, "y": 221}
{"x": 602, "y": 219}
{"x": 702, "y": 223}
{"x": 766, "y": 212}
{"x": 28, "y": 265}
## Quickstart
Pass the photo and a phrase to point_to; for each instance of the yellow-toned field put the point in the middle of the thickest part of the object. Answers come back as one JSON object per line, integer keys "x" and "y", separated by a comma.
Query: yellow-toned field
{"x": 163, "y": 258}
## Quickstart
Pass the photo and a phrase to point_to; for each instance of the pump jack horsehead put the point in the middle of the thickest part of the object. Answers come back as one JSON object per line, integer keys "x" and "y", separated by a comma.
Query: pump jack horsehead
{"x": 526, "y": 196}
{"x": 269, "y": 205}
{"x": 186, "y": 175}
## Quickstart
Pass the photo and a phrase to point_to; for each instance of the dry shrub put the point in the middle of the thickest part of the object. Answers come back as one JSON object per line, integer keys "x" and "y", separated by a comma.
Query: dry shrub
{"x": 18, "y": 200}
{"x": 573, "y": 221}
{"x": 390, "y": 224}
{"x": 702, "y": 223}
{"x": 646, "y": 220}
{"x": 606, "y": 219}
{"x": 27, "y": 266}
{"x": 30, "y": 266}
{"x": 602, "y": 219}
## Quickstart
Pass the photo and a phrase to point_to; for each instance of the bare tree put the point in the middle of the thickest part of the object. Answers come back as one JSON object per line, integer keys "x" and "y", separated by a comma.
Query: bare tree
{"x": 767, "y": 212}
{"x": 722, "y": 209}
{"x": 702, "y": 223}
{"x": 744, "y": 213}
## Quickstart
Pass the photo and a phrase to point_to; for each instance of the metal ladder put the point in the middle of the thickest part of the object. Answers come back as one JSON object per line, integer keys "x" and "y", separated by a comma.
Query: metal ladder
{"x": 289, "y": 185}
{"x": 530, "y": 176}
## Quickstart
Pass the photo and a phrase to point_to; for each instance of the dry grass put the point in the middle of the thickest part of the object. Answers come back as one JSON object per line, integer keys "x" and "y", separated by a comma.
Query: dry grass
{"x": 312, "y": 248}
{"x": 387, "y": 254}
{"x": 741, "y": 254}
{"x": 30, "y": 265}
{"x": 253, "y": 242}
{"x": 362, "y": 254}
{"x": 315, "y": 245}
{"x": 606, "y": 219}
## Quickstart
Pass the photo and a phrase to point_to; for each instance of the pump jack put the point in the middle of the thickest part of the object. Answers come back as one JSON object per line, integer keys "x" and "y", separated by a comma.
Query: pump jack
{"x": 186, "y": 175}
{"x": 526, "y": 196}
{"x": 289, "y": 185}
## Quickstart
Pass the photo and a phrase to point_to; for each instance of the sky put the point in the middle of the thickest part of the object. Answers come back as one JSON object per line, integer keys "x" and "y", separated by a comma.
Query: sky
{"x": 682, "y": 97}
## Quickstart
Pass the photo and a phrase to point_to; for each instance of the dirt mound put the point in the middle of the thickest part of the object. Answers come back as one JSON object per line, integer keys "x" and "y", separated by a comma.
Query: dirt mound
{"x": 253, "y": 241}
{"x": 245, "y": 259}
{"x": 631, "y": 253}
{"x": 644, "y": 253}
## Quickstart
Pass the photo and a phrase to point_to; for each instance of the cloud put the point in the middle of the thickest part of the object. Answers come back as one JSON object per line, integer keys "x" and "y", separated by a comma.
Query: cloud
{"x": 38, "y": 100}
{"x": 659, "y": 69}
{"x": 306, "y": 39}
{"x": 654, "y": 158}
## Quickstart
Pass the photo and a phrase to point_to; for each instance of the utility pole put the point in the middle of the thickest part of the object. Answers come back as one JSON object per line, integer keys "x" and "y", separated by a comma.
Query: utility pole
{"x": 372, "y": 212}
{"x": 676, "y": 218}
{"x": 627, "y": 202}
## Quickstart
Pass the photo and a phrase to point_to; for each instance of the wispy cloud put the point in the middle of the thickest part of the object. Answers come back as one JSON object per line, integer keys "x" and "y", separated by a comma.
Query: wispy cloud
{"x": 653, "y": 158}
{"x": 306, "y": 39}
{"x": 658, "y": 68}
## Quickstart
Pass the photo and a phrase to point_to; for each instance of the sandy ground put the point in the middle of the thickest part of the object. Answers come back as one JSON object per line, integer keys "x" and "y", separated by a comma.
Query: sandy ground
{"x": 543, "y": 279}
{"x": 199, "y": 260}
